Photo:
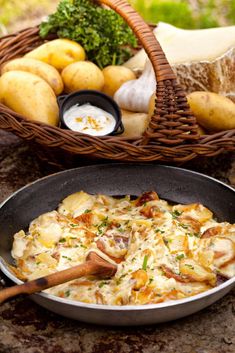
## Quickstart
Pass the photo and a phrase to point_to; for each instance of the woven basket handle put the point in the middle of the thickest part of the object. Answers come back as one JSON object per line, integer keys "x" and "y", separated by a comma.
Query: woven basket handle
{"x": 172, "y": 122}
{"x": 148, "y": 40}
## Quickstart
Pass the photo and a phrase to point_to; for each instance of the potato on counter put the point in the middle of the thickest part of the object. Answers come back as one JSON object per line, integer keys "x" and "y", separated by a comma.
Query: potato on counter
{"x": 58, "y": 53}
{"x": 115, "y": 76}
{"x": 30, "y": 96}
{"x": 82, "y": 75}
{"x": 212, "y": 111}
{"x": 47, "y": 72}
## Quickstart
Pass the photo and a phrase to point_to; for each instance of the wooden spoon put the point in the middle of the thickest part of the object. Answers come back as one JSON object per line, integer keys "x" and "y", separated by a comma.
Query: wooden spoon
{"x": 94, "y": 265}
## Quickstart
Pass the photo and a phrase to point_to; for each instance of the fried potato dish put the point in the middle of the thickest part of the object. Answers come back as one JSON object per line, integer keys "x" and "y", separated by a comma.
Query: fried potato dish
{"x": 163, "y": 252}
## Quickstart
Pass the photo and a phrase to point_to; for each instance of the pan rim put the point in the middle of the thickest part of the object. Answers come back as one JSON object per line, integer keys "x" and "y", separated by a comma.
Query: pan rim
{"x": 104, "y": 307}
{"x": 173, "y": 303}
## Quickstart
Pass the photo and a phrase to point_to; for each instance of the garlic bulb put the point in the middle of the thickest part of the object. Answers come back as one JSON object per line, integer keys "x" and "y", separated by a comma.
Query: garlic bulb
{"x": 134, "y": 95}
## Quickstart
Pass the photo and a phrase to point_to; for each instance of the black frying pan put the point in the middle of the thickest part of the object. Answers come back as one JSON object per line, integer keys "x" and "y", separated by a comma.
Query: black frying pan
{"x": 173, "y": 184}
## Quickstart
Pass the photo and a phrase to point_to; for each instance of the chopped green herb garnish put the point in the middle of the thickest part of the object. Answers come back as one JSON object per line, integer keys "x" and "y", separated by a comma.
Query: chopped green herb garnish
{"x": 87, "y": 211}
{"x": 66, "y": 257}
{"x": 62, "y": 240}
{"x": 73, "y": 225}
{"x": 144, "y": 266}
{"x": 102, "y": 284}
{"x": 151, "y": 279}
{"x": 183, "y": 225}
{"x": 103, "y": 225}
{"x": 159, "y": 231}
{"x": 179, "y": 257}
{"x": 67, "y": 293}
{"x": 38, "y": 263}
{"x": 167, "y": 241}
{"x": 190, "y": 266}
{"x": 176, "y": 214}
{"x": 83, "y": 246}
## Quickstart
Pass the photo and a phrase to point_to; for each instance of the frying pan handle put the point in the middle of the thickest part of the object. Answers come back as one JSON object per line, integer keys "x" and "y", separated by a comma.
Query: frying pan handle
{"x": 94, "y": 265}
{"x": 52, "y": 280}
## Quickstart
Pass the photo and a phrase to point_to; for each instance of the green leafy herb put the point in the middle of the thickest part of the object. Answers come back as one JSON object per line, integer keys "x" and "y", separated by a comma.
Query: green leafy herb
{"x": 151, "y": 279}
{"x": 102, "y": 32}
{"x": 144, "y": 266}
{"x": 87, "y": 211}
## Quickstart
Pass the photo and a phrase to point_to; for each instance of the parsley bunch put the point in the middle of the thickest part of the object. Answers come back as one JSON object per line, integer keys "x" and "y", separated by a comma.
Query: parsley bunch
{"x": 102, "y": 32}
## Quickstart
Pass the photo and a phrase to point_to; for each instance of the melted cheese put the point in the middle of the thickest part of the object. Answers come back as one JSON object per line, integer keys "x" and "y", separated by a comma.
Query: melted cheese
{"x": 160, "y": 251}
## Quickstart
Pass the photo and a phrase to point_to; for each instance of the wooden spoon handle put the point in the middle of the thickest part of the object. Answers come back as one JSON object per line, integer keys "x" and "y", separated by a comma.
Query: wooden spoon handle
{"x": 94, "y": 265}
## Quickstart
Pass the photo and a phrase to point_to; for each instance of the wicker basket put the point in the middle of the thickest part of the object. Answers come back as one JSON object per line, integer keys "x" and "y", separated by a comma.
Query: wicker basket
{"x": 172, "y": 132}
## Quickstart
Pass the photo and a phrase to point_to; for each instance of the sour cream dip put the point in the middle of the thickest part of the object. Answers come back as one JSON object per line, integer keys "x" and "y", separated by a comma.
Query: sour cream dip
{"x": 89, "y": 119}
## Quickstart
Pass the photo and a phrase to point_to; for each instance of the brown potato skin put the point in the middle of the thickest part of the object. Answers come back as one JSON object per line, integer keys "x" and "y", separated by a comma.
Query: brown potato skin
{"x": 47, "y": 72}
{"x": 114, "y": 77}
{"x": 82, "y": 75}
{"x": 58, "y": 53}
{"x": 30, "y": 96}
{"x": 212, "y": 111}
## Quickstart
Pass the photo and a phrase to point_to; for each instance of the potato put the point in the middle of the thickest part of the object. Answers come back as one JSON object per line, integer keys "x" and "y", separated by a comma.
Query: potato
{"x": 151, "y": 107}
{"x": 114, "y": 77}
{"x": 212, "y": 111}
{"x": 47, "y": 72}
{"x": 30, "y": 96}
{"x": 82, "y": 75}
{"x": 135, "y": 124}
{"x": 58, "y": 53}
{"x": 200, "y": 130}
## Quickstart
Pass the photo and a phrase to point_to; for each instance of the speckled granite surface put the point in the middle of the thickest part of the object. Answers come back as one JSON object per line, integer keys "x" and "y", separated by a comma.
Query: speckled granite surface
{"x": 27, "y": 328}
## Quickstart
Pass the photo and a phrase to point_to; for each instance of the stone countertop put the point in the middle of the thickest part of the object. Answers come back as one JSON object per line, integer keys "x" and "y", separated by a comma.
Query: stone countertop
{"x": 27, "y": 328}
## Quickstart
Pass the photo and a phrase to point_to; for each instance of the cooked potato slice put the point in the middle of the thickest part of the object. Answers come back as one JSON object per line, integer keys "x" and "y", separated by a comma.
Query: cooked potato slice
{"x": 46, "y": 259}
{"x": 197, "y": 273}
{"x": 195, "y": 210}
{"x": 228, "y": 270}
{"x": 140, "y": 277}
{"x": 76, "y": 204}
{"x": 224, "y": 250}
{"x": 178, "y": 243}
